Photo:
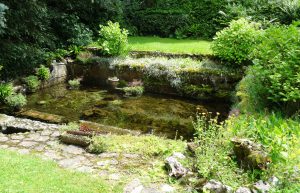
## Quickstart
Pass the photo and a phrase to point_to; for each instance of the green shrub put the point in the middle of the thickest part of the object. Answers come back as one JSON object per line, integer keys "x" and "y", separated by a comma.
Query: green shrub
{"x": 43, "y": 73}
{"x": 5, "y": 91}
{"x": 236, "y": 42}
{"x": 113, "y": 39}
{"x": 277, "y": 65}
{"x": 16, "y": 100}
{"x": 32, "y": 83}
{"x": 74, "y": 84}
{"x": 133, "y": 90}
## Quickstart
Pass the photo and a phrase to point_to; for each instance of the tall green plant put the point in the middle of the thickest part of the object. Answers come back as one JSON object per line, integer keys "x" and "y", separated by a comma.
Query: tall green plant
{"x": 113, "y": 39}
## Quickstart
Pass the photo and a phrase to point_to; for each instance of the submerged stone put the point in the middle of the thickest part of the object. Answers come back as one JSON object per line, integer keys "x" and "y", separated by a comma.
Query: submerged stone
{"x": 41, "y": 102}
{"x": 41, "y": 116}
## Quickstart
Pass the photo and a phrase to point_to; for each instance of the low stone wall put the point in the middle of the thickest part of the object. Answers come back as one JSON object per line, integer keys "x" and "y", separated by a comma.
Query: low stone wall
{"x": 204, "y": 84}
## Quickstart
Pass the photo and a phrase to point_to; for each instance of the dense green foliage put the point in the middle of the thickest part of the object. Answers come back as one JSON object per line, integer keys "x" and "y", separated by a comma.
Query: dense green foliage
{"x": 273, "y": 80}
{"x": 236, "y": 42}
{"x": 113, "y": 40}
{"x": 202, "y": 18}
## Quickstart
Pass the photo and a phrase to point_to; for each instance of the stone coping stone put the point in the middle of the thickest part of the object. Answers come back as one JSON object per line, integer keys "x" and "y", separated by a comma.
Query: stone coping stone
{"x": 41, "y": 116}
{"x": 12, "y": 124}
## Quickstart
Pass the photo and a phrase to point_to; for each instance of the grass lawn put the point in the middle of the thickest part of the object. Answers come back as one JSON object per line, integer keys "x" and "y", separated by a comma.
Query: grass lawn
{"x": 28, "y": 174}
{"x": 169, "y": 45}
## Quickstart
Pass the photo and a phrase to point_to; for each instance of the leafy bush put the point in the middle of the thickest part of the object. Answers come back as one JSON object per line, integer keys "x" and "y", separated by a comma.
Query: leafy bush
{"x": 16, "y": 101}
{"x": 32, "y": 83}
{"x": 5, "y": 91}
{"x": 133, "y": 90}
{"x": 43, "y": 73}
{"x": 113, "y": 39}
{"x": 74, "y": 84}
{"x": 236, "y": 42}
{"x": 277, "y": 65}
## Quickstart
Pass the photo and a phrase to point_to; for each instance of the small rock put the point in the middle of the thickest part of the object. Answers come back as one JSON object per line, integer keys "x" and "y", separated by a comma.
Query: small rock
{"x": 73, "y": 150}
{"x": 167, "y": 188}
{"x": 69, "y": 163}
{"x": 42, "y": 139}
{"x": 28, "y": 143}
{"x": 3, "y": 146}
{"x": 131, "y": 156}
{"x": 108, "y": 155}
{"x": 41, "y": 102}
{"x": 3, "y": 139}
{"x": 107, "y": 162}
{"x": 192, "y": 147}
{"x": 114, "y": 177}
{"x": 214, "y": 186}
{"x": 46, "y": 133}
{"x": 150, "y": 190}
{"x": 243, "y": 190}
{"x": 262, "y": 186}
{"x": 14, "y": 141}
{"x": 85, "y": 169}
{"x": 55, "y": 134}
{"x": 134, "y": 186}
{"x": 175, "y": 167}
{"x": 52, "y": 155}
{"x": 24, "y": 151}
{"x": 178, "y": 155}
{"x": 274, "y": 181}
{"x": 17, "y": 137}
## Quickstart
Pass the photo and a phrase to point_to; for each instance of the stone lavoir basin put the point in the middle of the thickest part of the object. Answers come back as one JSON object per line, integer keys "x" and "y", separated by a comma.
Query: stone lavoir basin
{"x": 153, "y": 114}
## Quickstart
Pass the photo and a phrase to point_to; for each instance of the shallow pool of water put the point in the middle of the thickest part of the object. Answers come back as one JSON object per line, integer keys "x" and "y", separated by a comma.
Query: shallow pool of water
{"x": 160, "y": 115}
